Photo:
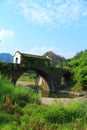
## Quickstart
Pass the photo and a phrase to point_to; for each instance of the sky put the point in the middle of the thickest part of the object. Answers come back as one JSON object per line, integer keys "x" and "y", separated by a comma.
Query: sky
{"x": 39, "y": 26}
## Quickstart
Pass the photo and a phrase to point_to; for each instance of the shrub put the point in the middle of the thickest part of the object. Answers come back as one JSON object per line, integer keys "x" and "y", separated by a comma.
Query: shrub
{"x": 10, "y": 126}
{"x": 5, "y": 117}
{"x": 77, "y": 110}
{"x": 6, "y": 87}
{"x": 72, "y": 112}
{"x": 23, "y": 96}
{"x": 56, "y": 114}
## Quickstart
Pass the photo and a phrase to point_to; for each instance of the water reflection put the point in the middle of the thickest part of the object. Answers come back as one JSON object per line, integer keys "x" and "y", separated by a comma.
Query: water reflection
{"x": 44, "y": 93}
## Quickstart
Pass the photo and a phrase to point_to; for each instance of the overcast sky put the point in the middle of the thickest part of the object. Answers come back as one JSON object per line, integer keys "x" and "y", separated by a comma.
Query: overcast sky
{"x": 38, "y": 26}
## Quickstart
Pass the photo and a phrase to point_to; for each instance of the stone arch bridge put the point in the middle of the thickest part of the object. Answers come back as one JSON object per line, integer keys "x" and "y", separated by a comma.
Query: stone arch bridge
{"x": 40, "y": 65}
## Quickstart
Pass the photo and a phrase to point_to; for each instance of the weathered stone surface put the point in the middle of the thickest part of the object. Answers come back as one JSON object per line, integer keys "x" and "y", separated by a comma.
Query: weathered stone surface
{"x": 50, "y": 74}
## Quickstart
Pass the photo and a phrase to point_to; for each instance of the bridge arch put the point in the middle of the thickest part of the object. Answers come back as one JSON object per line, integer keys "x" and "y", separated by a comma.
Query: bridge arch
{"x": 35, "y": 63}
{"x": 23, "y": 63}
{"x": 38, "y": 80}
{"x": 14, "y": 71}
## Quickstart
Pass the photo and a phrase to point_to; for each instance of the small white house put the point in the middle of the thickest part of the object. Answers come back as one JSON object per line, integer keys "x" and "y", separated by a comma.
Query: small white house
{"x": 22, "y": 58}
{"x": 17, "y": 57}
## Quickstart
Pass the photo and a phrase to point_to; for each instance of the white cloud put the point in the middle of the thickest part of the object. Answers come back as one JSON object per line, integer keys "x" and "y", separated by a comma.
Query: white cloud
{"x": 57, "y": 12}
{"x": 69, "y": 54}
{"x": 5, "y": 33}
{"x": 41, "y": 50}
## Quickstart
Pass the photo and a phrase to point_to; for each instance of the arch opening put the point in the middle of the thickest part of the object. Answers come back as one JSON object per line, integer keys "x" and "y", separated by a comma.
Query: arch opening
{"x": 65, "y": 80}
{"x": 26, "y": 79}
{"x": 32, "y": 79}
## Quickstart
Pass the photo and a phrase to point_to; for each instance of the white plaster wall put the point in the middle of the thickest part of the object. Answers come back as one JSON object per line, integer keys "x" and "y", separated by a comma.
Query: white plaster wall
{"x": 18, "y": 56}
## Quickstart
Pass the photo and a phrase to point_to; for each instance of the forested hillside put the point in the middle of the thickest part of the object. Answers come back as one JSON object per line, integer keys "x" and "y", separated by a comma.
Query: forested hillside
{"x": 78, "y": 67}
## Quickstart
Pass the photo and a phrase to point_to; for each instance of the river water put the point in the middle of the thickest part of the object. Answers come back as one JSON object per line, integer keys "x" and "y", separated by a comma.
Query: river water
{"x": 47, "y": 94}
{"x": 60, "y": 94}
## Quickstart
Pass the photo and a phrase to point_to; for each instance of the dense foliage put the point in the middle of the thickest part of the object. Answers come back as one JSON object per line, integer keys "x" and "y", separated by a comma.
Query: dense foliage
{"x": 20, "y": 109}
{"x": 28, "y": 77}
{"x": 78, "y": 66}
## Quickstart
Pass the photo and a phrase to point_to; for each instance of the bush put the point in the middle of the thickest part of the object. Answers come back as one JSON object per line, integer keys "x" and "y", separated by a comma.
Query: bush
{"x": 10, "y": 126}
{"x": 23, "y": 96}
{"x": 77, "y": 110}
{"x": 61, "y": 114}
{"x": 6, "y": 87}
{"x": 56, "y": 114}
{"x": 5, "y": 117}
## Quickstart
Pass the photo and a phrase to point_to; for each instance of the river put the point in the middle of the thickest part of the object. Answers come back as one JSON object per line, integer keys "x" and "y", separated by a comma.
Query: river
{"x": 62, "y": 96}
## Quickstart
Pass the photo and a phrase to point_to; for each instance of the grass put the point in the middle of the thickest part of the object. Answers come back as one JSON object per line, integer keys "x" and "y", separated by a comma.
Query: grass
{"x": 26, "y": 80}
{"x": 20, "y": 109}
{"x": 41, "y": 117}
{"x": 28, "y": 77}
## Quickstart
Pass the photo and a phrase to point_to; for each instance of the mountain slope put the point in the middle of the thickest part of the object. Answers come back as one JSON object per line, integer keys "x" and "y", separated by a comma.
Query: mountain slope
{"x": 56, "y": 59}
{"x": 6, "y": 57}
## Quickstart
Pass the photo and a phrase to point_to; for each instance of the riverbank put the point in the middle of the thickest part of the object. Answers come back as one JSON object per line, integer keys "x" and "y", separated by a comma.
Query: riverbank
{"x": 79, "y": 96}
{"x": 64, "y": 101}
